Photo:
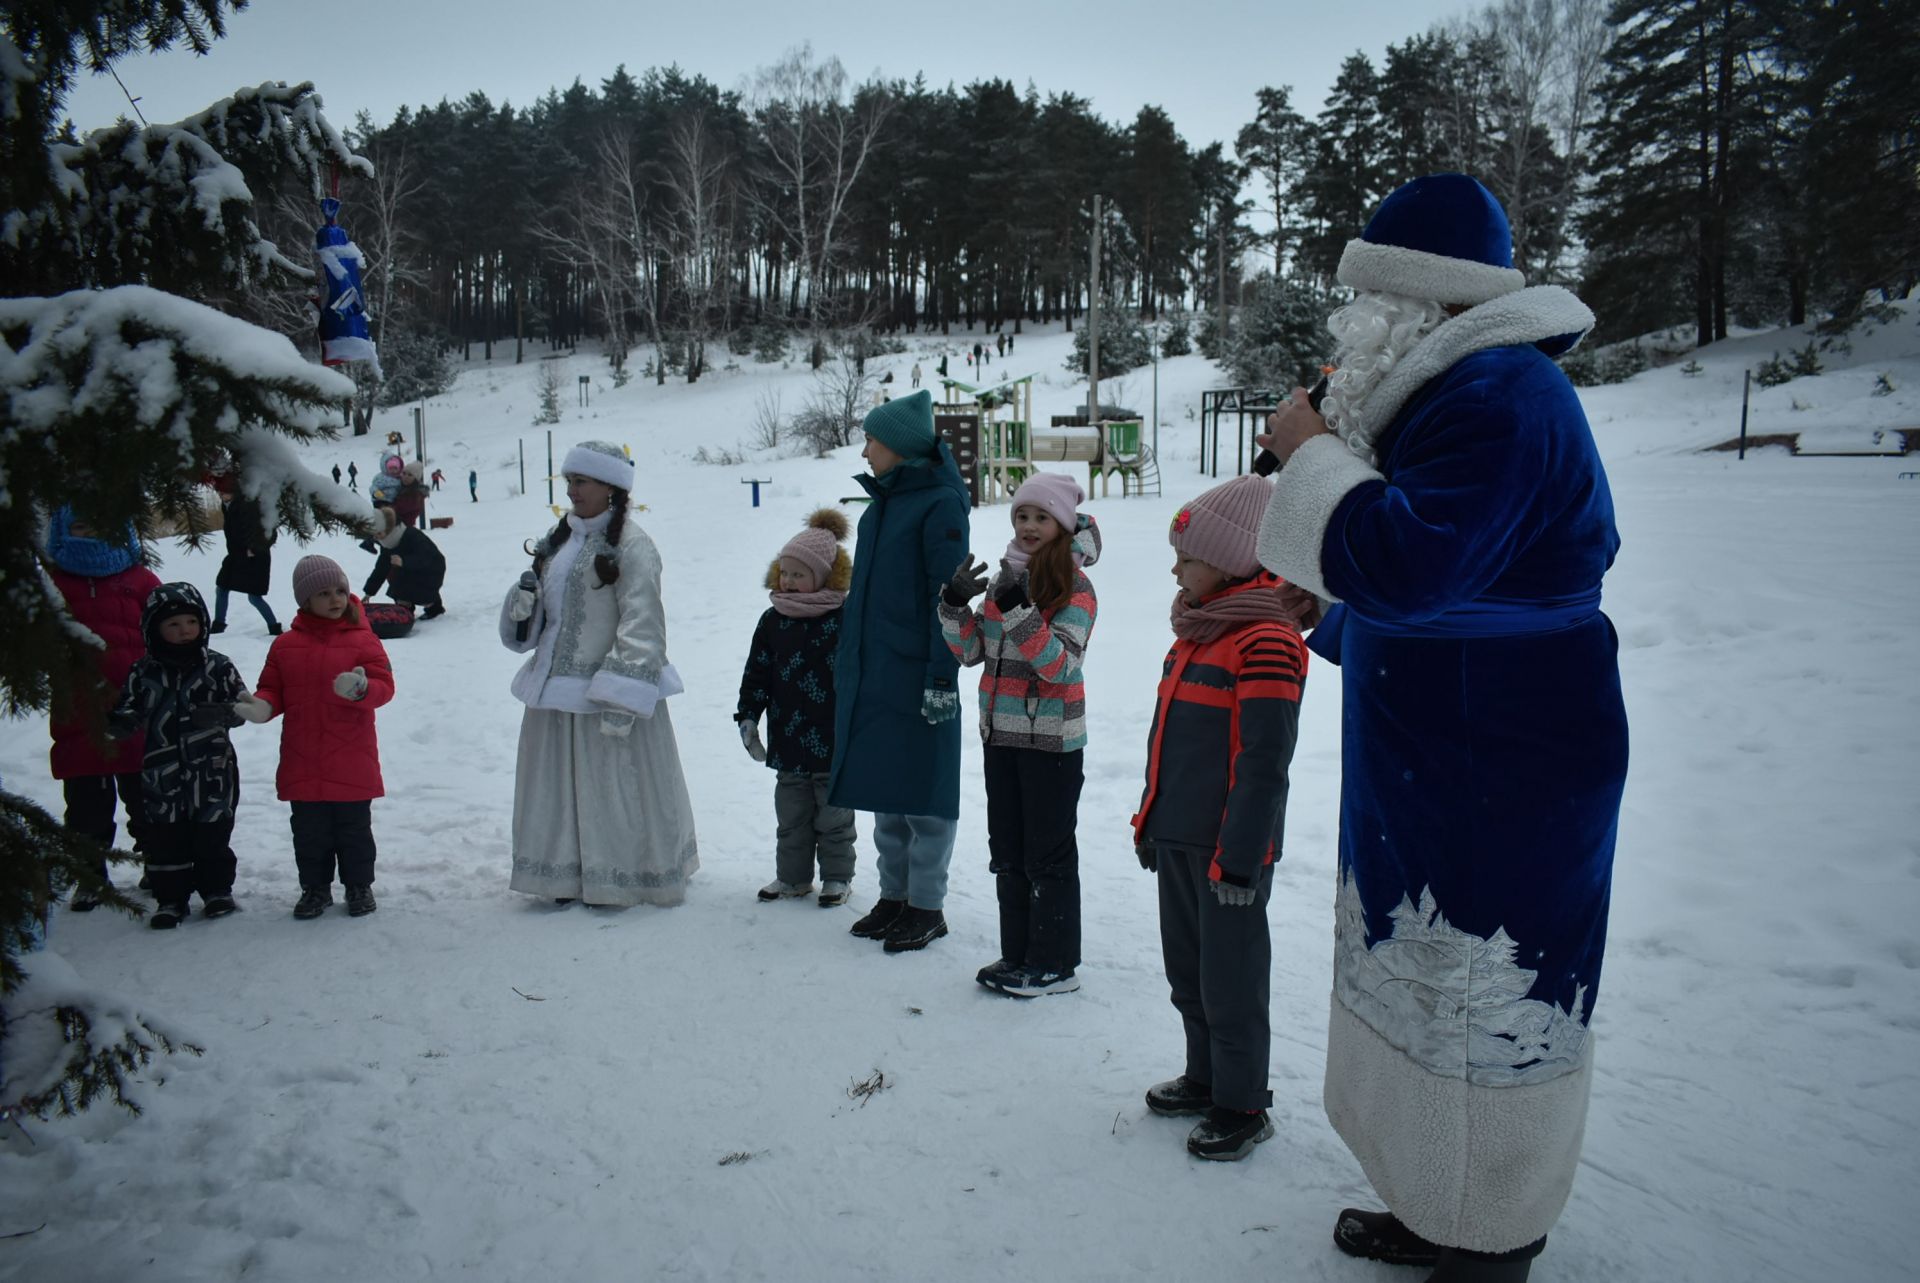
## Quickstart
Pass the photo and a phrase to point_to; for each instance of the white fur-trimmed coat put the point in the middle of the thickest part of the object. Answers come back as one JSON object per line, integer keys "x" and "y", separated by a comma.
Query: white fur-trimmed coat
{"x": 595, "y": 648}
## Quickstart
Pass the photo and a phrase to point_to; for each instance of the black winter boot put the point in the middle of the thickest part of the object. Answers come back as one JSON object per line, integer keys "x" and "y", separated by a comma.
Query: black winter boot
{"x": 168, "y": 916}
{"x": 1457, "y": 1265}
{"x": 1379, "y": 1236}
{"x": 218, "y": 906}
{"x": 360, "y": 901}
{"x": 1228, "y": 1135}
{"x": 1179, "y": 1096}
{"x": 878, "y": 920}
{"x": 314, "y": 901}
{"x": 915, "y": 929}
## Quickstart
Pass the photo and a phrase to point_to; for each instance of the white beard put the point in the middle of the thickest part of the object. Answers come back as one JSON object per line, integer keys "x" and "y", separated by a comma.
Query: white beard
{"x": 1372, "y": 335}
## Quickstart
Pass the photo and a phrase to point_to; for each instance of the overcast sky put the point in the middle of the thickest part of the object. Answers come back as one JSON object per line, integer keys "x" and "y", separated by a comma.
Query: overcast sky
{"x": 1200, "y": 60}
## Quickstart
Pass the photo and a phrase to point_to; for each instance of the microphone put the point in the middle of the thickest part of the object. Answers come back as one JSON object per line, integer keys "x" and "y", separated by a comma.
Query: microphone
{"x": 529, "y": 582}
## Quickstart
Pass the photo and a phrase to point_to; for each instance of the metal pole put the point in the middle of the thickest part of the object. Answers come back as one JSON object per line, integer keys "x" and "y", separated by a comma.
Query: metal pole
{"x": 549, "y": 467}
{"x": 1155, "y": 349}
{"x": 523, "y": 465}
{"x": 1093, "y": 320}
{"x": 1746, "y": 391}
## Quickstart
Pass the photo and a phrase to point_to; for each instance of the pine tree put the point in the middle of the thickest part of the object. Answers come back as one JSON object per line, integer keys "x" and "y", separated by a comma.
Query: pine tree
{"x": 120, "y": 385}
{"x": 1280, "y": 336}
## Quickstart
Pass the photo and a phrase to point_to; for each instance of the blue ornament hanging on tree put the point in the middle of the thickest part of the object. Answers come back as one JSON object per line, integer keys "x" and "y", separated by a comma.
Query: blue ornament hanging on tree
{"x": 343, "y": 312}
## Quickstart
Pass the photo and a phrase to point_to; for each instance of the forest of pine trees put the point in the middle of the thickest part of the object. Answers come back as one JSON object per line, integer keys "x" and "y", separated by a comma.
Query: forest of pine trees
{"x": 1679, "y": 162}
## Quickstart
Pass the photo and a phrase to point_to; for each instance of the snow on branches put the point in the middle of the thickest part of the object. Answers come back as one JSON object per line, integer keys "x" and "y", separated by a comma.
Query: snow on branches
{"x": 173, "y": 205}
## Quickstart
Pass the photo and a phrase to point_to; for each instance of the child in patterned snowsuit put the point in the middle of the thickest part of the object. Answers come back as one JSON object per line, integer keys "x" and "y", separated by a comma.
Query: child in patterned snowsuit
{"x": 789, "y": 677}
{"x": 184, "y": 697}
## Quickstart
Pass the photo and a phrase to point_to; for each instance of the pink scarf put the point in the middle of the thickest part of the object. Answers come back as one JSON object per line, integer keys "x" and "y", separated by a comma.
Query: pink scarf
{"x": 1256, "y": 600}
{"x": 807, "y": 605}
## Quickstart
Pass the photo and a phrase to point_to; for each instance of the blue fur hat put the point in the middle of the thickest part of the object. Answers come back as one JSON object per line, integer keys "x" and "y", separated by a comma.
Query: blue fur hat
{"x": 1442, "y": 238}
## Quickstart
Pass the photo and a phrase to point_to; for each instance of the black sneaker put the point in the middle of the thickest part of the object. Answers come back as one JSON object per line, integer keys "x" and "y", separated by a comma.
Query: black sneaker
{"x": 878, "y": 920}
{"x": 218, "y": 626}
{"x": 1178, "y": 1096}
{"x": 1227, "y": 1135}
{"x": 1379, "y": 1236}
{"x": 915, "y": 929}
{"x": 274, "y": 630}
{"x": 1034, "y": 982}
{"x": 218, "y": 906}
{"x": 995, "y": 971}
{"x": 433, "y": 612}
{"x": 168, "y": 916}
{"x": 360, "y": 902}
{"x": 314, "y": 901}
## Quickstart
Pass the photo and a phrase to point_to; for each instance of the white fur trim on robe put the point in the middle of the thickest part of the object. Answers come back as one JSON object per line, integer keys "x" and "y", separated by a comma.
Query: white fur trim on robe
{"x": 1461, "y": 1164}
{"x": 1319, "y": 475}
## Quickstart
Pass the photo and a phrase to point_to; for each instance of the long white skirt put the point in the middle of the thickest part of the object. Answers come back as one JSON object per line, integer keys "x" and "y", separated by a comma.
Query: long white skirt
{"x": 601, "y": 819}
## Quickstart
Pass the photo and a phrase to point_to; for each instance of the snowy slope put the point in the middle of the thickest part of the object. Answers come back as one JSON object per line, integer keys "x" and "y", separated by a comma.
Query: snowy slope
{"x": 472, "y": 1084}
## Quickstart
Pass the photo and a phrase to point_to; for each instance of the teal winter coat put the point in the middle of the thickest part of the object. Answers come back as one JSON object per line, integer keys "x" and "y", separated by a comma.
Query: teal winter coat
{"x": 887, "y": 756}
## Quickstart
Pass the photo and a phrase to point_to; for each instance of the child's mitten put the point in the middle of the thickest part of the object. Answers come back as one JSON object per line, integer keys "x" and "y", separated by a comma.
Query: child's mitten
{"x": 211, "y": 717}
{"x": 750, "y": 739}
{"x": 254, "y": 710}
{"x": 351, "y": 685}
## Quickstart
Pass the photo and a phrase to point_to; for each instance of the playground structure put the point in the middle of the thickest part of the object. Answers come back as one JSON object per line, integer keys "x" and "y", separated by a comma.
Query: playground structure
{"x": 1009, "y": 443}
{"x": 1249, "y": 408}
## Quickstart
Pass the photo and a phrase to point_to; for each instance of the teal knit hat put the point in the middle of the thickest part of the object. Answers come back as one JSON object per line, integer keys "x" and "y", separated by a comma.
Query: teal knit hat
{"x": 904, "y": 426}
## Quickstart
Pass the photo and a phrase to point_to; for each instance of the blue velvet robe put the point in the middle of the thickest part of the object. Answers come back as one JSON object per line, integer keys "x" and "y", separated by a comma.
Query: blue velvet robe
{"x": 1484, "y": 750}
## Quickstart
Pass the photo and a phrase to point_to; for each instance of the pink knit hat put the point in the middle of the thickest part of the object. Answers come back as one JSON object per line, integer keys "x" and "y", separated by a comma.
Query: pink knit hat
{"x": 314, "y": 574}
{"x": 1056, "y": 493}
{"x": 817, "y": 545}
{"x": 1221, "y": 526}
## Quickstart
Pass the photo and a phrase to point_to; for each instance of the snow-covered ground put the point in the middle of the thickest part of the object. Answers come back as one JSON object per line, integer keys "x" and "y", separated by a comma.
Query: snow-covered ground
{"x": 469, "y": 1083}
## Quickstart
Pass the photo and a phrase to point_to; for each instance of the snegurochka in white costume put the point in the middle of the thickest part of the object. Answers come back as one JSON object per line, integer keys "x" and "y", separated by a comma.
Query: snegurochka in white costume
{"x": 1452, "y": 517}
{"x": 600, "y": 806}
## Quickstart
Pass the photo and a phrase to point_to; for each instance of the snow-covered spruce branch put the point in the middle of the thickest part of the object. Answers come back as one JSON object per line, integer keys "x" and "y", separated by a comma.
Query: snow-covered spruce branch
{"x": 70, "y": 1046}
{"x": 193, "y": 223}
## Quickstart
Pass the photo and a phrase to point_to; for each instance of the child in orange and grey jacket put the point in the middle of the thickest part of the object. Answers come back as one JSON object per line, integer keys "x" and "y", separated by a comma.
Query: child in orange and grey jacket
{"x": 1211, "y": 818}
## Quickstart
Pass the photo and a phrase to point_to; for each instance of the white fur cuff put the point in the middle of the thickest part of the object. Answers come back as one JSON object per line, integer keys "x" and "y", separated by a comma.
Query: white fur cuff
{"x": 1395, "y": 269}
{"x": 631, "y": 693}
{"x": 1308, "y": 489}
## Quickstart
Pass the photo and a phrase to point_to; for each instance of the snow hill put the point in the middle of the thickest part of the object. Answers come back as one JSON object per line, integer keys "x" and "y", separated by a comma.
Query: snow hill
{"x": 472, "y": 1084}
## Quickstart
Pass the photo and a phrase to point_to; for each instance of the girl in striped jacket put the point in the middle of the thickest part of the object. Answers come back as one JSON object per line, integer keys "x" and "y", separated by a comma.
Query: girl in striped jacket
{"x": 1030, "y": 635}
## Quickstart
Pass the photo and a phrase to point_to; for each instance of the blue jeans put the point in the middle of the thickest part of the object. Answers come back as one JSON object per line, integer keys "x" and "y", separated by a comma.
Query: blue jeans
{"x": 258, "y": 602}
{"x": 911, "y": 854}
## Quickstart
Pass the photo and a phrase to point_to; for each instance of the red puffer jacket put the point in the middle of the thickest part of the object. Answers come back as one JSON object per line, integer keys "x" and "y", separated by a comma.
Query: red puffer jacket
{"x": 327, "y": 748}
{"x": 110, "y": 606}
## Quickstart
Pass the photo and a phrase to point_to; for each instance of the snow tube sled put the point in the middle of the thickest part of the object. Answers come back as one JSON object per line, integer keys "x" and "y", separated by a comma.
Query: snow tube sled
{"x": 389, "y": 619}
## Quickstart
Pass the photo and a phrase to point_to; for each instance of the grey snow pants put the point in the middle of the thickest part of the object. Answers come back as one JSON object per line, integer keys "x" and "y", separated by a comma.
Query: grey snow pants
{"x": 1218, "y": 962}
{"x": 808, "y": 826}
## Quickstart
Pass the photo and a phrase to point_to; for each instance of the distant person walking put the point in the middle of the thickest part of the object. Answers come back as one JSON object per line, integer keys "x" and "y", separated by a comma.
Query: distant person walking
{"x": 473, "y": 485}
{"x": 916, "y": 374}
{"x": 438, "y": 477}
{"x": 353, "y": 477}
{"x": 336, "y": 474}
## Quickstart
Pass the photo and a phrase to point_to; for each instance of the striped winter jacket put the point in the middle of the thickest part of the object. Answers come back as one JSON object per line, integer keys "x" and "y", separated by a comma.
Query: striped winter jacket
{"x": 1032, "y": 694}
{"x": 1224, "y": 725}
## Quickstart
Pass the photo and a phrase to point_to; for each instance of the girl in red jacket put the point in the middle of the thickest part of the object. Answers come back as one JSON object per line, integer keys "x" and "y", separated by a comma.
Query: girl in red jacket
{"x": 105, "y": 586}
{"x": 328, "y": 673}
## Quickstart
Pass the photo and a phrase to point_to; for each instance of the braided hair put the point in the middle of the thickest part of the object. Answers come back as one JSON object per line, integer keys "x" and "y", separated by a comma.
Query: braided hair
{"x": 606, "y": 565}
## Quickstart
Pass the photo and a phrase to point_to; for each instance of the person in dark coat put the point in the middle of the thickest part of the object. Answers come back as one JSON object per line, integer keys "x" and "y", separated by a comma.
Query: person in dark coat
{"x": 410, "y": 504}
{"x": 897, "y": 716}
{"x": 789, "y": 678}
{"x": 336, "y": 474}
{"x": 473, "y": 485}
{"x": 1452, "y": 507}
{"x": 353, "y": 477}
{"x": 409, "y": 563}
{"x": 248, "y": 567}
{"x": 105, "y": 587}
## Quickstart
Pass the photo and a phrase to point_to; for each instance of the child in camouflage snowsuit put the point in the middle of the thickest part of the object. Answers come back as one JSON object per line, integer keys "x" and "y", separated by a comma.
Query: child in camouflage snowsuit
{"x": 184, "y": 697}
{"x": 789, "y": 677}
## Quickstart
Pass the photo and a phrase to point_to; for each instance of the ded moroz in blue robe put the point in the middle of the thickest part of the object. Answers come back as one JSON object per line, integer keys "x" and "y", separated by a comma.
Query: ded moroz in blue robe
{"x": 1484, "y": 750}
